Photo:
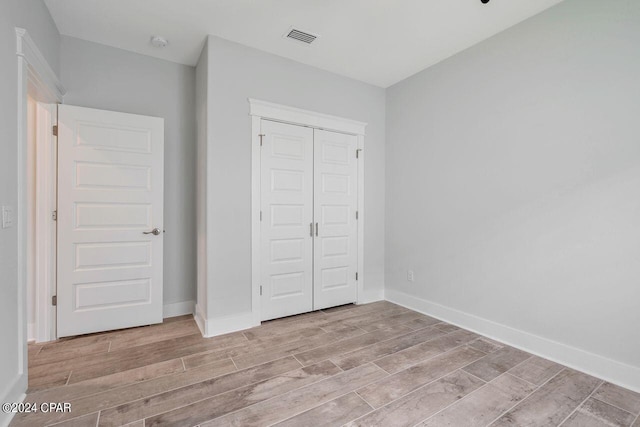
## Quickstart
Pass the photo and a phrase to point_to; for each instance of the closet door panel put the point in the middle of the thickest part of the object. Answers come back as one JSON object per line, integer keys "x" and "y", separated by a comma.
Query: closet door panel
{"x": 335, "y": 205}
{"x": 287, "y": 214}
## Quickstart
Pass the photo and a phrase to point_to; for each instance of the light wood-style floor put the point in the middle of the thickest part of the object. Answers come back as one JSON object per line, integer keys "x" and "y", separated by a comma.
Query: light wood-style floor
{"x": 370, "y": 365}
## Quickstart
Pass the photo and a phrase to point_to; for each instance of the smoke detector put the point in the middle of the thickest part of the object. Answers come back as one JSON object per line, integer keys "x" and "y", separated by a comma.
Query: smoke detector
{"x": 159, "y": 41}
{"x": 300, "y": 35}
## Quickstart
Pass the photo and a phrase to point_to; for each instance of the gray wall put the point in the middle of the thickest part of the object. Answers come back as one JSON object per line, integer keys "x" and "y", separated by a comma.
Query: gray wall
{"x": 103, "y": 77}
{"x": 236, "y": 73}
{"x": 34, "y": 16}
{"x": 513, "y": 179}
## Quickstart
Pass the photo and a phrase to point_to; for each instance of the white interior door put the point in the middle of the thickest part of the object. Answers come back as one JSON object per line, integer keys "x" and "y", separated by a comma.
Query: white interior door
{"x": 110, "y": 192}
{"x": 335, "y": 206}
{"x": 287, "y": 217}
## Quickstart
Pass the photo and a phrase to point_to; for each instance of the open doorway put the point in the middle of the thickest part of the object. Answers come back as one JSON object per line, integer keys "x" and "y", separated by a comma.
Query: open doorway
{"x": 39, "y": 92}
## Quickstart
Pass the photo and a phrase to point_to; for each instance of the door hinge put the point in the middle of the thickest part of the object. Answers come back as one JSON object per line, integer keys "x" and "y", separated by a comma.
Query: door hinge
{"x": 356, "y": 276}
{"x": 260, "y": 215}
{"x": 260, "y": 290}
{"x": 261, "y": 135}
{"x": 356, "y": 215}
{"x": 54, "y": 215}
{"x": 54, "y": 300}
{"x": 358, "y": 153}
{"x": 55, "y": 130}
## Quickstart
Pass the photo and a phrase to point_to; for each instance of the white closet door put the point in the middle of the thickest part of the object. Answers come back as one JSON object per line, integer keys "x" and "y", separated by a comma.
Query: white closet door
{"x": 335, "y": 205}
{"x": 110, "y": 192}
{"x": 287, "y": 214}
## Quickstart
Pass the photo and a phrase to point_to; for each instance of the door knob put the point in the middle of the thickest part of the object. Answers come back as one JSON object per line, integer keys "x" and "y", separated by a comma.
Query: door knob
{"x": 155, "y": 232}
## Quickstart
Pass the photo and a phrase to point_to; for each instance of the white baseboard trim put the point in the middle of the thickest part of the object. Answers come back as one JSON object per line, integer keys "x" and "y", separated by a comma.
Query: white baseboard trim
{"x": 224, "y": 325}
{"x": 599, "y": 366}
{"x": 200, "y": 321}
{"x": 14, "y": 393}
{"x": 371, "y": 296}
{"x": 178, "y": 309}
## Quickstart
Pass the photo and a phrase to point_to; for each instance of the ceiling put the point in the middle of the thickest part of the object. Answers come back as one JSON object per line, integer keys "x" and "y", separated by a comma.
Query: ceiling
{"x": 375, "y": 41}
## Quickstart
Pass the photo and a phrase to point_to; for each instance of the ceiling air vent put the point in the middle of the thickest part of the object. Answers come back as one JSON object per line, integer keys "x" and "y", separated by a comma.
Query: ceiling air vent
{"x": 301, "y": 36}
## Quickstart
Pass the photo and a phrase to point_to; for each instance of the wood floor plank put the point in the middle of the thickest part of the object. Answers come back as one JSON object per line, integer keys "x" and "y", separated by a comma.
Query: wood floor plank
{"x": 48, "y": 380}
{"x": 620, "y": 397}
{"x": 423, "y": 322}
{"x": 328, "y": 321}
{"x": 276, "y": 352}
{"x": 486, "y": 345}
{"x": 396, "y": 319}
{"x": 495, "y": 364}
{"x": 334, "y": 413}
{"x": 483, "y": 405}
{"x": 125, "y": 359}
{"x": 171, "y": 330}
{"x": 196, "y": 412}
{"x": 447, "y": 327}
{"x": 595, "y": 412}
{"x": 46, "y": 357}
{"x": 337, "y": 348}
{"x": 536, "y": 370}
{"x": 413, "y": 355}
{"x": 256, "y": 346}
{"x": 422, "y": 403}
{"x": 553, "y": 402}
{"x": 108, "y": 382}
{"x": 399, "y": 384}
{"x": 381, "y": 318}
{"x": 289, "y": 404}
{"x": 89, "y": 420}
{"x": 286, "y": 325}
{"x": 129, "y": 393}
{"x": 379, "y": 350}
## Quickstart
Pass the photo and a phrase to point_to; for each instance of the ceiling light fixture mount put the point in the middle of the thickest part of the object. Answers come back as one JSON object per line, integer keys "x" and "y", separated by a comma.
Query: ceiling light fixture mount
{"x": 159, "y": 41}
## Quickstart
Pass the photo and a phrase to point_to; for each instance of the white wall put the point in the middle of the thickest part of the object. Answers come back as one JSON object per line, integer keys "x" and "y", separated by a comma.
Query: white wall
{"x": 513, "y": 186}
{"x": 32, "y": 15}
{"x": 236, "y": 73}
{"x": 99, "y": 76}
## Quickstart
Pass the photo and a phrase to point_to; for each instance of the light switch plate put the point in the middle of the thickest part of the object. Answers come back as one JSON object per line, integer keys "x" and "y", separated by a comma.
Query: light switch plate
{"x": 7, "y": 217}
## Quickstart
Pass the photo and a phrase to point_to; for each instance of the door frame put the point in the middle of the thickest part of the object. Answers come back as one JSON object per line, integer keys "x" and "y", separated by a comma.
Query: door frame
{"x": 42, "y": 260}
{"x": 38, "y": 80}
{"x": 259, "y": 110}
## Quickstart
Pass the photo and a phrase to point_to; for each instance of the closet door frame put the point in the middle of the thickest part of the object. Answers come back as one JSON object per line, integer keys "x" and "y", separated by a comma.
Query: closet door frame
{"x": 259, "y": 110}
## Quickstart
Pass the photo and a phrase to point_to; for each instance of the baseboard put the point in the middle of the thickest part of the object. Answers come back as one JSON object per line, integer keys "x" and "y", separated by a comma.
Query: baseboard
{"x": 178, "y": 309}
{"x": 198, "y": 316}
{"x": 223, "y": 325}
{"x": 371, "y": 296}
{"x": 607, "y": 369}
{"x": 14, "y": 393}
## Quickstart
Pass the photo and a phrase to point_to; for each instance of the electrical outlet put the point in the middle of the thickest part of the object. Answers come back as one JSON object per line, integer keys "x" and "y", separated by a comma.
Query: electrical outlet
{"x": 7, "y": 217}
{"x": 410, "y": 276}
